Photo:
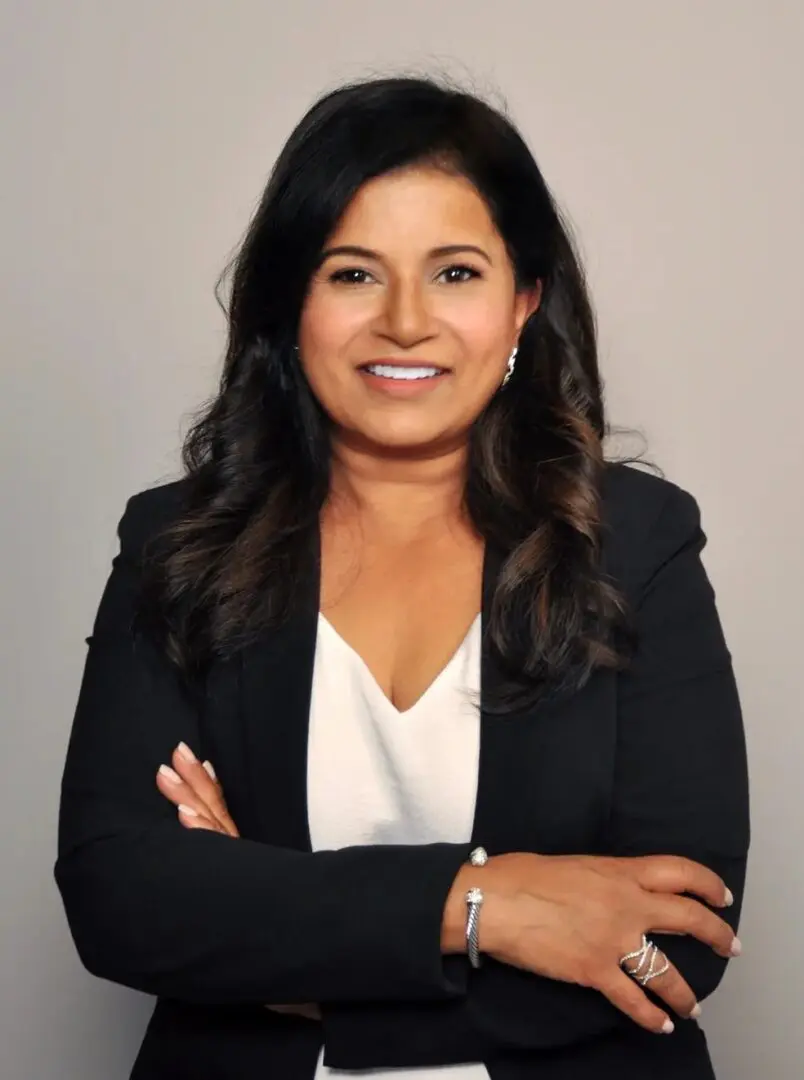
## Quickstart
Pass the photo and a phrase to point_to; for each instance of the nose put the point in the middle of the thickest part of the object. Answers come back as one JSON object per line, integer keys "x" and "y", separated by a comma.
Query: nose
{"x": 406, "y": 317}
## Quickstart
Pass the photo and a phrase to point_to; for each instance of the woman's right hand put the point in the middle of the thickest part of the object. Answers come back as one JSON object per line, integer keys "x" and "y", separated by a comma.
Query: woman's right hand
{"x": 573, "y": 917}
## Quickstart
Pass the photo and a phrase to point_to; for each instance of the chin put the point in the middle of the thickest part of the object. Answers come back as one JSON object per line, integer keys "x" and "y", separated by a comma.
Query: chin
{"x": 409, "y": 440}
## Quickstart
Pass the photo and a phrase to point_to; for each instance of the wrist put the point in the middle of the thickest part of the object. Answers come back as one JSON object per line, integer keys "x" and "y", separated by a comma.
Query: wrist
{"x": 454, "y": 921}
{"x": 502, "y": 881}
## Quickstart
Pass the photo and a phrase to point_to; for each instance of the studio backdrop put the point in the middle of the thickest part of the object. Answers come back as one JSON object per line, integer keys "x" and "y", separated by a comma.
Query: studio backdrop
{"x": 136, "y": 138}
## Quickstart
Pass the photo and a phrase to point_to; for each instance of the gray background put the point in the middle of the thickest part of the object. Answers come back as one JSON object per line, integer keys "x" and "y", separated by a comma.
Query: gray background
{"x": 135, "y": 140}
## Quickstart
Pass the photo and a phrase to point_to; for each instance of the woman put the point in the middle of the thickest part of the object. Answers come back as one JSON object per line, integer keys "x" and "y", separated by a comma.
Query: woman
{"x": 405, "y": 715}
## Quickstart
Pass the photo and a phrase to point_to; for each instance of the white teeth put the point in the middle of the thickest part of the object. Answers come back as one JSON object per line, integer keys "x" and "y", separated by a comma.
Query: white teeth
{"x": 391, "y": 371}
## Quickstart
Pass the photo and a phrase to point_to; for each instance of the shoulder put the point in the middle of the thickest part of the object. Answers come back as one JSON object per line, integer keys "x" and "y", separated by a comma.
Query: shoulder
{"x": 646, "y": 521}
{"x": 148, "y": 512}
{"x": 633, "y": 500}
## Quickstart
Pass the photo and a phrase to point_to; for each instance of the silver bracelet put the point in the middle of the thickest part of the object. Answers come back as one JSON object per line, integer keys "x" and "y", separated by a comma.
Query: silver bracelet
{"x": 474, "y": 902}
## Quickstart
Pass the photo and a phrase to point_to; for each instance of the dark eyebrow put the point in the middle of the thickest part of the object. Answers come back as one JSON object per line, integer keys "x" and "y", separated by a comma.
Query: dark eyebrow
{"x": 367, "y": 253}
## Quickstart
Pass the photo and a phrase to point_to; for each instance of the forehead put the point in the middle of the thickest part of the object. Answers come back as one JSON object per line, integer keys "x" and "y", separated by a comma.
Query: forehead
{"x": 424, "y": 205}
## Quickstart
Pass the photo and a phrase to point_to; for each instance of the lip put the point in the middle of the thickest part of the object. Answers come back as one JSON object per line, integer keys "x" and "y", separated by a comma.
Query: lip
{"x": 408, "y": 362}
{"x": 402, "y": 388}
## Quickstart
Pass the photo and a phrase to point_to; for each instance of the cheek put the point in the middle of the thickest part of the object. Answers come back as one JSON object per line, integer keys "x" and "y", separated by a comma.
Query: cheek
{"x": 326, "y": 332}
{"x": 328, "y": 324}
{"x": 484, "y": 326}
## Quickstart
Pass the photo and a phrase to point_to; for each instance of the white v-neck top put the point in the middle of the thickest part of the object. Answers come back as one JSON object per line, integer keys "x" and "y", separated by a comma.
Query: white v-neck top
{"x": 376, "y": 775}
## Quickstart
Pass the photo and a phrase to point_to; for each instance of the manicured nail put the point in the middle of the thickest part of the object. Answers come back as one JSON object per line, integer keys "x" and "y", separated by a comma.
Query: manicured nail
{"x": 170, "y": 774}
{"x": 188, "y": 810}
{"x": 186, "y": 753}
{"x": 696, "y": 1012}
{"x": 668, "y": 1027}
{"x": 729, "y": 899}
{"x": 736, "y": 947}
{"x": 210, "y": 770}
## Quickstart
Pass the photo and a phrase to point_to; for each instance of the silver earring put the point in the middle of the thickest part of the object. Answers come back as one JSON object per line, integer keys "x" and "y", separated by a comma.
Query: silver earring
{"x": 509, "y": 371}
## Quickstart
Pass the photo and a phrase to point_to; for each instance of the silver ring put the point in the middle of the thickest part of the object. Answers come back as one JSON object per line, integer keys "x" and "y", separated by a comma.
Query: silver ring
{"x": 645, "y": 967}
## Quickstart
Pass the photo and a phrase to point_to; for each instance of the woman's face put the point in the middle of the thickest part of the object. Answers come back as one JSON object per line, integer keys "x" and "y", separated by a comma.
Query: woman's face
{"x": 412, "y": 314}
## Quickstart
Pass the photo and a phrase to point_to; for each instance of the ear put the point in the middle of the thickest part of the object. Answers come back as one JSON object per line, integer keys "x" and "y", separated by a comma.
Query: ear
{"x": 527, "y": 301}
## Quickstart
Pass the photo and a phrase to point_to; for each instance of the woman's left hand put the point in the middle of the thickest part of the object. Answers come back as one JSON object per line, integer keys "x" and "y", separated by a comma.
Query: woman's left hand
{"x": 195, "y": 790}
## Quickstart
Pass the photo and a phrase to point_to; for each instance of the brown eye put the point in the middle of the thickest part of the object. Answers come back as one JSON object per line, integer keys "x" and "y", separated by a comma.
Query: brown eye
{"x": 351, "y": 275}
{"x": 458, "y": 274}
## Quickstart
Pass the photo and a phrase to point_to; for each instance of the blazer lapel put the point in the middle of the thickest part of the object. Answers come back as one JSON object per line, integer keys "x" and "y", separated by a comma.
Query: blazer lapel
{"x": 276, "y": 684}
{"x": 491, "y": 821}
{"x": 545, "y": 771}
{"x": 515, "y": 758}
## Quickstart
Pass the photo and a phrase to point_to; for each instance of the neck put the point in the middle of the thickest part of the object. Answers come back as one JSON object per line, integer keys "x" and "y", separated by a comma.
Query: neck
{"x": 399, "y": 495}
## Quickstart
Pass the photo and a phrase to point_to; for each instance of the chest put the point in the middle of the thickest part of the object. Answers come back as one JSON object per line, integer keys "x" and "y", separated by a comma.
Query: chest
{"x": 404, "y": 609}
{"x": 377, "y": 775}
{"x": 544, "y": 777}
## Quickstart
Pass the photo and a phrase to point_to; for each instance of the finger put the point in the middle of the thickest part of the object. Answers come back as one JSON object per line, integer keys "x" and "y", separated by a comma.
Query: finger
{"x": 191, "y": 819}
{"x": 683, "y": 915}
{"x": 178, "y": 791}
{"x": 676, "y": 874}
{"x": 673, "y": 989}
{"x": 208, "y": 789}
{"x": 652, "y": 968}
{"x": 202, "y": 779}
{"x": 221, "y": 808}
{"x": 629, "y": 998}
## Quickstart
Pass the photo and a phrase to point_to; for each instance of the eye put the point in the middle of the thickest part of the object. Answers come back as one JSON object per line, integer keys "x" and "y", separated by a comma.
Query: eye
{"x": 459, "y": 273}
{"x": 350, "y": 275}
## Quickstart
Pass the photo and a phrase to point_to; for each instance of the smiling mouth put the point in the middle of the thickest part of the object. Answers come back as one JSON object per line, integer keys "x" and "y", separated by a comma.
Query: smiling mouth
{"x": 402, "y": 372}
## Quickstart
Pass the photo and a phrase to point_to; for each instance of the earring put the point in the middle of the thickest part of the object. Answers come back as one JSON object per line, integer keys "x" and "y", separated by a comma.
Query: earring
{"x": 509, "y": 371}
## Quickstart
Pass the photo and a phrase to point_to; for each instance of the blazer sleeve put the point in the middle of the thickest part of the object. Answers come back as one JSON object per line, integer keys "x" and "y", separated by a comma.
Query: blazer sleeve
{"x": 681, "y": 782}
{"x": 197, "y": 916}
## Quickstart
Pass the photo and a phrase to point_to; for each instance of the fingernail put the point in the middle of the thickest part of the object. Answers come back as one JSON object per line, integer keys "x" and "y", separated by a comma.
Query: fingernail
{"x": 729, "y": 899}
{"x": 210, "y": 770}
{"x": 668, "y": 1027}
{"x": 170, "y": 774}
{"x": 696, "y": 1012}
{"x": 736, "y": 947}
{"x": 188, "y": 810}
{"x": 186, "y": 753}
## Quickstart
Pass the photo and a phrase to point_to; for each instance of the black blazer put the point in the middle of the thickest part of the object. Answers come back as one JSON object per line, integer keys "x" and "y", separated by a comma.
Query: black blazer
{"x": 648, "y": 761}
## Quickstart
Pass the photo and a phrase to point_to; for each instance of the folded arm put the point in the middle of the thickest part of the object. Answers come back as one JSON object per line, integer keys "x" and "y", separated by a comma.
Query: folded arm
{"x": 196, "y": 915}
{"x": 680, "y": 784}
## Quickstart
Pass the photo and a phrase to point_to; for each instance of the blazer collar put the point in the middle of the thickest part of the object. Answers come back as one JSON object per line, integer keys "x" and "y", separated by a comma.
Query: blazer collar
{"x": 276, "y": 685}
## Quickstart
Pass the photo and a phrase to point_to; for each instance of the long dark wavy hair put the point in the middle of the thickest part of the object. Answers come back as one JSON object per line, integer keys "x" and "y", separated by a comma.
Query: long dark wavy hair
{"x": 257, "y": 457}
